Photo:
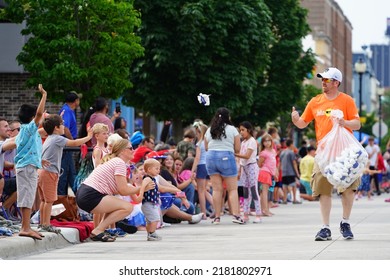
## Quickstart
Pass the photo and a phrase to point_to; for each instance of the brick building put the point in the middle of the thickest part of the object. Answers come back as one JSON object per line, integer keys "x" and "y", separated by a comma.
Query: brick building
{"x": 332, "y": 33}
{"x": 13, "y": 93}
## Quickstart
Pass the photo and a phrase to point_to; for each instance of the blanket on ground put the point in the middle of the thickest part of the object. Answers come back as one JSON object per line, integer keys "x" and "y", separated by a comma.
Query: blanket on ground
{"x": 84, "y": 228}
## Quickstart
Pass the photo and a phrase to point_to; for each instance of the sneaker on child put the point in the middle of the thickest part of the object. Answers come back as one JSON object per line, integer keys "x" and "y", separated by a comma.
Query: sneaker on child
{"x": 153, "y": 237}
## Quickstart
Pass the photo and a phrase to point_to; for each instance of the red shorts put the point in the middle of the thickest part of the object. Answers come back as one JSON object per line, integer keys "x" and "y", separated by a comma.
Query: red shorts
{"x": 47, "y": 185}
{"x": 265, "y": 177}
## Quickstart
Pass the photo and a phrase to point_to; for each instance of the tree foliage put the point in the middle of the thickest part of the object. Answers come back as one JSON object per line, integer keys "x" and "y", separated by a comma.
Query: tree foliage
{"x": 82, "y": 45}
{"x": 246, "y": 54}
{"x": 372, "y": 118}
{"x": 284, "y": 121}
{"x": 282, "y": 85}
{"x": 218, "y": 47}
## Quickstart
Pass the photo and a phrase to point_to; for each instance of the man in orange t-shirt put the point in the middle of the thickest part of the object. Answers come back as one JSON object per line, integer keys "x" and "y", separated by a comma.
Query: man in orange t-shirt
{"x": 319, "y": 109}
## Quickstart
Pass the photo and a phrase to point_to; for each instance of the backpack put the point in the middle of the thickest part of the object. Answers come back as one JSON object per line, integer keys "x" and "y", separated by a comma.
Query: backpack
{"x": 86, "y": 168}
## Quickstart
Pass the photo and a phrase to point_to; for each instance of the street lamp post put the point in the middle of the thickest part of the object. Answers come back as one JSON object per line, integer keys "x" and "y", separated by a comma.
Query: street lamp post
{"x": 360, "y": 68}
{"x": 381, "y": 92}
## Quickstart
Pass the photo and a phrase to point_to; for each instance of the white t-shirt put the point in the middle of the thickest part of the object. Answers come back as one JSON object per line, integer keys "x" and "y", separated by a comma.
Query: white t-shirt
{"x": 374, "y": 157}
{"x": 223, "y": 144}
{"x": 251, "y": 143}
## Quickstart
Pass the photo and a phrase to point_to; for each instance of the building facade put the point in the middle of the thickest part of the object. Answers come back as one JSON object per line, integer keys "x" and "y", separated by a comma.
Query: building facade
{"x": 380, "y": 61}
{"x": 376, "y": 78}
{"x": 332, "y": 34}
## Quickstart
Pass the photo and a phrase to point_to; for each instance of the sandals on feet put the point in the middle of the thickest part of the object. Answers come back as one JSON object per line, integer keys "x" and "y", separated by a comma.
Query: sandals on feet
{"x": 103, "y": 237}
{"x": 238, "y": 220}
{"x": 216, "y": 221}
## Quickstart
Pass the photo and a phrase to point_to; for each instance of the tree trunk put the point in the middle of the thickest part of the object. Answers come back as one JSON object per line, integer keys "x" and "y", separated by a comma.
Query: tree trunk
{"x": 177, "y": 130}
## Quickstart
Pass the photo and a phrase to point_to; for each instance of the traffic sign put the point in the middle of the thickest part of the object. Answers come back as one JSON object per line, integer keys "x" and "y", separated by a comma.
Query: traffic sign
{"x": 383, "y": 131}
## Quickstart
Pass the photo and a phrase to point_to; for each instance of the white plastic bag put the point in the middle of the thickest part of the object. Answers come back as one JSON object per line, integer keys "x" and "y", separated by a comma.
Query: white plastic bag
{"x": 340, "y": 156}
{"x": 57, "y": 209}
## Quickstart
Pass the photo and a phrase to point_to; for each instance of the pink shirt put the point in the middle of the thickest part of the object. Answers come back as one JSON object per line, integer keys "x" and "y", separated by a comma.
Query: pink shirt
{"x": 269, "y": 164}
{"x": 185, "y": 175}
{"x": 102, "y": 177}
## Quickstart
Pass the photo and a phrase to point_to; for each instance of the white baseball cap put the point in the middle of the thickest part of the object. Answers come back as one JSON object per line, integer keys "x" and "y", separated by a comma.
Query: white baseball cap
{"x": 331, "y": 73}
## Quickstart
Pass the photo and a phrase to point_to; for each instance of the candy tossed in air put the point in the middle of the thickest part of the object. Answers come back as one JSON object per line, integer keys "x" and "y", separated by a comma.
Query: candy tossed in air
{"x": 204, "y": 99}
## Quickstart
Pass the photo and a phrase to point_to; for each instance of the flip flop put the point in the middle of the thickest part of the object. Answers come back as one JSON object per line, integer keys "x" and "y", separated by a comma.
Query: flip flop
{"x": 31, "y": 236}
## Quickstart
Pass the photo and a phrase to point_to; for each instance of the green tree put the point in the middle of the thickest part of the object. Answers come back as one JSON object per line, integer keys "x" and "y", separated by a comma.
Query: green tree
{"x": 82, "y": 45}
{"x": 217, "y": 47}
{"x": 284, "y": 119}
{"x": 371, "y": 118}
{"x": 282, "y": 85}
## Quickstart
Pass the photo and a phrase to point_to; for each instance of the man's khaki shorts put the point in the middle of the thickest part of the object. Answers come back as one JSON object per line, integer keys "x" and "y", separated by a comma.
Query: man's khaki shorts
{"x": 320, "y": 185}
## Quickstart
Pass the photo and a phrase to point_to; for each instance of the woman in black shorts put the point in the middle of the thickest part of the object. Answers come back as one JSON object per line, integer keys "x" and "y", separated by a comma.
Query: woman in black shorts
{"x": 97, "y": 193}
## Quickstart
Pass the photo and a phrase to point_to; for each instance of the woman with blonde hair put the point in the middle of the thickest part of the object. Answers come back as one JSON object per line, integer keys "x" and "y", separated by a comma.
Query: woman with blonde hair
{"x": 199, "y": 168}
{"x": 96, "y": 194}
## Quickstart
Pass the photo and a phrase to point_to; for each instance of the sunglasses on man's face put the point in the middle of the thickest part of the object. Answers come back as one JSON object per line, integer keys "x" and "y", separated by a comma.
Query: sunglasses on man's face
{"x": 18, "y": 129}
{"x": 326, "y": 80}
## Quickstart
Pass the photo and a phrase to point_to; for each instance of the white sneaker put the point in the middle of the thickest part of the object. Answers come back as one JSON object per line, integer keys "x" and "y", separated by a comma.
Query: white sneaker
{"x": 153, "y": 237}
{"x": 196, "y": 218}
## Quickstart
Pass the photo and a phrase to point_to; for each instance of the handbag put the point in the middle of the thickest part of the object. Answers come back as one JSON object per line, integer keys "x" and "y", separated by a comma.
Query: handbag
{"x": 71, "y": 209}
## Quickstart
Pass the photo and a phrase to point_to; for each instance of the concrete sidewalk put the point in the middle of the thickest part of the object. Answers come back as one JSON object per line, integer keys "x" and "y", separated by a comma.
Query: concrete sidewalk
{"x": 288, "y": 235}
{"x": 16, "y": 247}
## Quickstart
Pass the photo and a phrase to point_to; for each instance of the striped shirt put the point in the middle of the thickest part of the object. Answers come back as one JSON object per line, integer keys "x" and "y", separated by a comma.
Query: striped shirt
{"x": 102, "y": 177}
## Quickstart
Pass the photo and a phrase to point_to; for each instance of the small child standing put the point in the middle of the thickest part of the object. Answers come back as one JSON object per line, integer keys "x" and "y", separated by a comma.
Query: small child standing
{"x": 48, "y": 176}
{"x": 28, "y": 160}
{"x": 365, "y": 184}
{"x": 136, "y": 217}
{"x": 151, "y": 198}
{"x": 249, "y": 170}
{"x": 100, "y": 133}
{"x": 267, "y": 164}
